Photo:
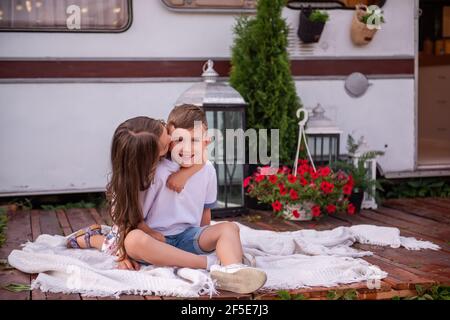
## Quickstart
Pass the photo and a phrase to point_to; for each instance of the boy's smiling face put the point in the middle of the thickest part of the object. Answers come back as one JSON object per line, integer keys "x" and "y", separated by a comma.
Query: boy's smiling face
{"x": 188, "y": 146}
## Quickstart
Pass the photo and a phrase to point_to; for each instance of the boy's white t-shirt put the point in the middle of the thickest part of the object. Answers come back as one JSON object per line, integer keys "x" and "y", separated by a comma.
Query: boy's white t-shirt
{"x": 169, "y": 212}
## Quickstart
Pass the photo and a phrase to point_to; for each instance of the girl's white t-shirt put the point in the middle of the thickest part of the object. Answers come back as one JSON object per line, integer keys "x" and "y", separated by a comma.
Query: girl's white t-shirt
{"x": 169, "y": 212}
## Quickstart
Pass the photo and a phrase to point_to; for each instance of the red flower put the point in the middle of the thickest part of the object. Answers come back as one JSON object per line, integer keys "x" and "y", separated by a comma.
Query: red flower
{"x": 325, "y": 171}
{"x": 247, "y": 182}
{"x": 351, "y": 209}
{"x": 350, "y": 181}
{"x": 277, "y": 206}
{"x": 259, "y": 178}
{"x": 331, "y": 208}
{"x": 273, "y": 179}
{"x": 347, "y": 189}
{"x": 292, "y": 178}
{"x": 303, "y": 168}
{"x": 314, "y": 175}
{"x": 316, "y": 211}
{"x": 303, "y": 181}
{"x": 303, "y": 162}
{"x": 283, "y": 189}
{"x": 296, "y": 214}
{"x": 293, "y": 194}
{"x": 327, "y": 187}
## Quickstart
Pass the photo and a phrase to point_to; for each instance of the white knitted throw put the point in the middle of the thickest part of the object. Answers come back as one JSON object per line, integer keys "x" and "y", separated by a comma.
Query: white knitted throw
{"x": 292, "y": 260}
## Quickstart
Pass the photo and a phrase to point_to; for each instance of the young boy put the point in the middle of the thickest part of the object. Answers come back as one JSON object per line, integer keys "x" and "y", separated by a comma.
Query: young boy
{"x": 182, "y": 220}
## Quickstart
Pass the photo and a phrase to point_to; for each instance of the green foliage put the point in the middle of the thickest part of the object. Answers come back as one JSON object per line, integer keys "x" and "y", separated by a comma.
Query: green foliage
{"x": 261, "y": 74}
{"x": 319, "y": 16}
{"x": 70, "y": 205}
{"x": 22, "y": 204}
{"x": 17, "y": 287}
{"x": 415, "y": 188}
{"x": 3, "y": 224}
{"x": 345, "y": 295}
{"x": 286, "y": 295}
{"x": 362, "y": 181}
{"x": 437, "y": 292}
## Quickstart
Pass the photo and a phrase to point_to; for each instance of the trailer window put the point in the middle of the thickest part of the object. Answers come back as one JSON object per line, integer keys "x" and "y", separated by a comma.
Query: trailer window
{"x": 65, "y": 15}
{"x": 211, "y": 5}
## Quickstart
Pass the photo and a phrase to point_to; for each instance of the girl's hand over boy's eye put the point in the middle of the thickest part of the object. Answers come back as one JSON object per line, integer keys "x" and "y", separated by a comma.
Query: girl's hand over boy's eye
{"x": 158, "y": 236}
{"x": 128, "y": 264}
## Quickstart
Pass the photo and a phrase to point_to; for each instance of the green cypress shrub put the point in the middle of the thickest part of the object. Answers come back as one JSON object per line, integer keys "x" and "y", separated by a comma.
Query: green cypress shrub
{"x": 261, "y": 73}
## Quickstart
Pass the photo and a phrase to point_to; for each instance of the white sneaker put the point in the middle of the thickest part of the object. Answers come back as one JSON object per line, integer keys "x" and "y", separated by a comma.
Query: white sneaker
{"x": 238, "y": 278}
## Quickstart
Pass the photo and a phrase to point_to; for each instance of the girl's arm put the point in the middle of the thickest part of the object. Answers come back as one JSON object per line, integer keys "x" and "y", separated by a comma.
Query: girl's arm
{"x": 155, "y": 234}
{"x": 206, "y": 217}
{"x": 177, "y": 180}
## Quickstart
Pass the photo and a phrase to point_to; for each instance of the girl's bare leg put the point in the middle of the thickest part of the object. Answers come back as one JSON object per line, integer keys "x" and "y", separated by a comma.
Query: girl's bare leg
{"x": 95, "y": 240}
{"x": 142, "y": 247}
{"x": 224, "y": 237}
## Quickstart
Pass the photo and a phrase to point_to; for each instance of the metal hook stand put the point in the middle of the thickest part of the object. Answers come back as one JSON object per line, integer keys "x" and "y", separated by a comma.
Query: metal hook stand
{"x": 302, "y": 135}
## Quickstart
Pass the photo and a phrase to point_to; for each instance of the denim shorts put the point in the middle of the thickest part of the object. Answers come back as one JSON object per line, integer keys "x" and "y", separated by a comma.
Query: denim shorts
{"x": 187, "y": 240}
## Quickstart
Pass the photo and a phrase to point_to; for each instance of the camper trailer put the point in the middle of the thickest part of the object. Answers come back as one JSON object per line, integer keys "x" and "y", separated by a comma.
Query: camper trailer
{"x": 72, "y": 70}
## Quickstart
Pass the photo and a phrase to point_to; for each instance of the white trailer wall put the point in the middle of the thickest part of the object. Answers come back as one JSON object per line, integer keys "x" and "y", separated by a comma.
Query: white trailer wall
{"x": 55, "y": 137}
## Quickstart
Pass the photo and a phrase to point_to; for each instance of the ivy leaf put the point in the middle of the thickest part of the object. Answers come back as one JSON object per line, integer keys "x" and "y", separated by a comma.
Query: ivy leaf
{"x": 17, "y": 287}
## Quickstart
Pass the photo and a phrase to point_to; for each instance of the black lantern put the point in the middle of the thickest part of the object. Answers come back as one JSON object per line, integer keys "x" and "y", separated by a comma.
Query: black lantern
{"x": 323, "y": 137}
{"x": 225, "y": 109}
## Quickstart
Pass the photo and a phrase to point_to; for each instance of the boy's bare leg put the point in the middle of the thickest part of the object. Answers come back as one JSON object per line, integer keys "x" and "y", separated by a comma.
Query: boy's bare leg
{"x": 142, "y": 247}
{"x": 224, "y": 238}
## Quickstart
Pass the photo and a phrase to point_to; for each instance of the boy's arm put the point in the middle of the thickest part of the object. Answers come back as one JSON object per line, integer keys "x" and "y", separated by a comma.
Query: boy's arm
{"x": 206, "y": 217}
{"x": 177, "y": 180}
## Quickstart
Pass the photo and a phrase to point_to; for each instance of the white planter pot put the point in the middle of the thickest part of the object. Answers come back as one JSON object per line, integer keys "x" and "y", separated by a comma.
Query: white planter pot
{"x": 303, "y": 209}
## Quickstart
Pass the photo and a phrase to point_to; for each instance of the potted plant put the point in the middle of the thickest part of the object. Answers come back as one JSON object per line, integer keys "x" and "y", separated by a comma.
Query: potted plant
{"x": 356, "y": 168}
{"x": 305, "y": 195}
{"x": 366, "y": 22}
{"x": 311, "y": 25}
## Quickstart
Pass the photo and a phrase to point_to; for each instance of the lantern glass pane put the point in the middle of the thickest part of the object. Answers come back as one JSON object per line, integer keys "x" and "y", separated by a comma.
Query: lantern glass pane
{"x": 230, "y": 172}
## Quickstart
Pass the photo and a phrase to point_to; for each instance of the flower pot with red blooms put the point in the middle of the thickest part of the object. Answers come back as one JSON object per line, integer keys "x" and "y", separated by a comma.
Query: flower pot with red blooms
{"x": 305, "y": 194}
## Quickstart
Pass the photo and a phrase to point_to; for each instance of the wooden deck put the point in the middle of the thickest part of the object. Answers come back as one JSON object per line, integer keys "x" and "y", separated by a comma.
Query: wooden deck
{"x": 427, "y": 219}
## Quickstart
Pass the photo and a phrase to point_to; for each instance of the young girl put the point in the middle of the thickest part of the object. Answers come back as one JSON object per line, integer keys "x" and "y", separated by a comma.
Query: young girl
{"x": 137, "y": 147}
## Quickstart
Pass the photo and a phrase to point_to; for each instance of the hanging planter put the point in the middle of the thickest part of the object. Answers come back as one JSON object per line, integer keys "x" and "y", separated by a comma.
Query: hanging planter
{"x": 365, "y": 24}
{"x": 304, "y": 192}
{"x": 311, "y": 25}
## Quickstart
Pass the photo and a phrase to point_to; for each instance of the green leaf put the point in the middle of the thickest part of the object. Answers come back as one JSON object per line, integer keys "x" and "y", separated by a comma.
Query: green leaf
{"x": 284, "y": 295}
{"x": 350, "y": 295}
{"x": 419, "y": 289}
{"x": 17, "y": 287}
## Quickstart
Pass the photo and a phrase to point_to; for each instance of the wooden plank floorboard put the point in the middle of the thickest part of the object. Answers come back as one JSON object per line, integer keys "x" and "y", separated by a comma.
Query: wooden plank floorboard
{"x": 422, "y": 218}
{"x": 18, "y": 232}
{"x": 418, "y": 208}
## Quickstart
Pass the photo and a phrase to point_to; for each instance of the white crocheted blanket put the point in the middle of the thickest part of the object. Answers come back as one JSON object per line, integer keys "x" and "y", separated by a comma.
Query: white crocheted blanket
{"x": 291, "y": 260}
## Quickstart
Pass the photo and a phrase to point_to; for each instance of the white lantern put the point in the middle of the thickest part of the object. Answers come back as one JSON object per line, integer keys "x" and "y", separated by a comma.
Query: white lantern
{"x": 323, "y": 137}
{"x": 369, "y": 201}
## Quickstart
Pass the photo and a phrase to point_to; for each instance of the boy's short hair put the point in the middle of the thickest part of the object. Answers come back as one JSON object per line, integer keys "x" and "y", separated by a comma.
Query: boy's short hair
{"x": 185, "y": 115}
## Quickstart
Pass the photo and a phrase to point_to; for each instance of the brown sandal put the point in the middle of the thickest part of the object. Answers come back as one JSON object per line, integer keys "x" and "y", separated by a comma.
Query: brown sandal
{"x": 92, "y": 230}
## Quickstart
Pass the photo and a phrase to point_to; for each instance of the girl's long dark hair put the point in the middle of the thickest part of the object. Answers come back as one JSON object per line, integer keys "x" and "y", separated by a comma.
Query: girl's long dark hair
{"x": 134, "y": 158}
